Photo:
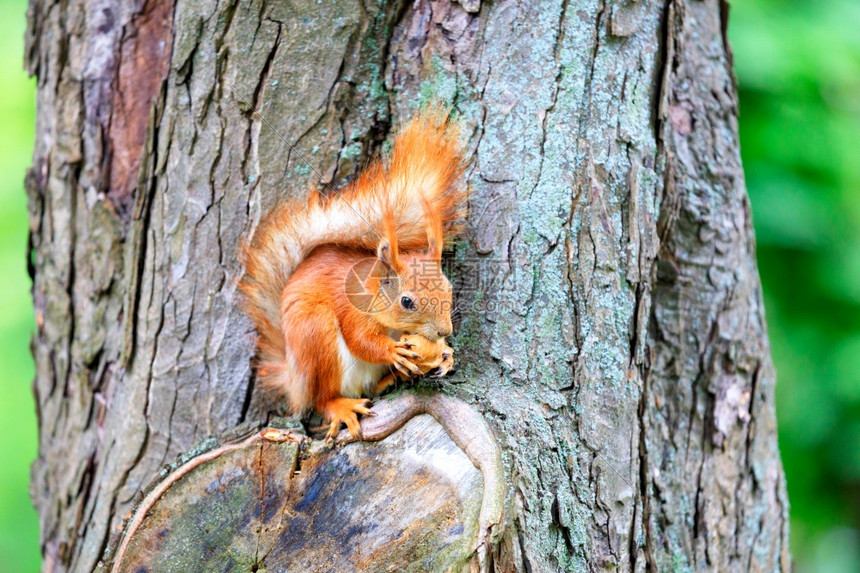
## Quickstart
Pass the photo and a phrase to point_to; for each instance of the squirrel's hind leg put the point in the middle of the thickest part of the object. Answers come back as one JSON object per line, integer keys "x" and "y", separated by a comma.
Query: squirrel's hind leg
{"x": 383, "y": 384}
{"x": 309, "y": 328}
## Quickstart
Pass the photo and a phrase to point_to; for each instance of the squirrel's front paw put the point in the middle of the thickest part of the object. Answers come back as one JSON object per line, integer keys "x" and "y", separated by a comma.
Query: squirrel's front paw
{"x": 345, "y": 410}
{"x": 446, "y": 363}
{"x": 436, "y": 357}
{"x": 405, "y": 360}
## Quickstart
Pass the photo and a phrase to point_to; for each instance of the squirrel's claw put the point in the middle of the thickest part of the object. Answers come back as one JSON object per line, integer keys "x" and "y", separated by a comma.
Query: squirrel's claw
{"x": 403, "y": 365}
{"x": 406, "y": 374}
{"x": 407, "y": 353}
{"x": 446, "y": 365}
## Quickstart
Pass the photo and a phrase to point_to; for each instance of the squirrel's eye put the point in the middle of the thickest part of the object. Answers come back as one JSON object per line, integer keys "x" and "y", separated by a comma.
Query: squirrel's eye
{"x": 407, "y": 303}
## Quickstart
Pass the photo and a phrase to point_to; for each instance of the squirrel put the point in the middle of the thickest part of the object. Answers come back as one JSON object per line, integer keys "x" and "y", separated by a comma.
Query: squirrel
{"x": 347, "y": 288}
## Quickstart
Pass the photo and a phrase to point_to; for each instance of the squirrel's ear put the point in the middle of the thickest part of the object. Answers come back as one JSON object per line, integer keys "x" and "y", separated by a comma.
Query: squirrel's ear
{"x": 388, "y": 255}
{"x": 435, "y": 233}
{"x": 433, "y": 247}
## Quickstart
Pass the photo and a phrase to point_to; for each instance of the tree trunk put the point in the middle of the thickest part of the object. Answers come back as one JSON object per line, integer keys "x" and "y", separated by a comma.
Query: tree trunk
{"x": 612, "y": 330}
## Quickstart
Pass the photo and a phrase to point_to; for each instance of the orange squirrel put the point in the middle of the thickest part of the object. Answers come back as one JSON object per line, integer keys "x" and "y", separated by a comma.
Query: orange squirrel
{"x": 344, "y": 289}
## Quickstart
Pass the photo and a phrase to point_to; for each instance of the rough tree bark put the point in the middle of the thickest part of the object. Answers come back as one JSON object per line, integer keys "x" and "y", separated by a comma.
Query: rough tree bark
{"x": 619, "y": 352}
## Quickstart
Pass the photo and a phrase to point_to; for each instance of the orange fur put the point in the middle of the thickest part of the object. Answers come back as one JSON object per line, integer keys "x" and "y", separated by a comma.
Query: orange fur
{"x": 299, "y": 267}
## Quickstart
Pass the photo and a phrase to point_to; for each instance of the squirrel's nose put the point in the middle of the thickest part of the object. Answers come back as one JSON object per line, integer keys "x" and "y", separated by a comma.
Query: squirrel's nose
{"x": 444, "y": 332}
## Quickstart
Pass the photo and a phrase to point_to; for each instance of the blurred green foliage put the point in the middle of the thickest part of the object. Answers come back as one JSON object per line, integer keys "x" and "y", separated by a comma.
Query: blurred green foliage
{"x": 19, "y": 530}
{"x": 798, "y": 68}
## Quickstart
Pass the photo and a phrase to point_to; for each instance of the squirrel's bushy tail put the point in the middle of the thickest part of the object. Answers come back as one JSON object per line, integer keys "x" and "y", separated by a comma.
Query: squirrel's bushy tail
{"x": 417, "y": 187}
